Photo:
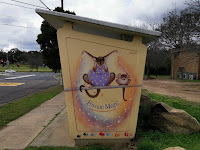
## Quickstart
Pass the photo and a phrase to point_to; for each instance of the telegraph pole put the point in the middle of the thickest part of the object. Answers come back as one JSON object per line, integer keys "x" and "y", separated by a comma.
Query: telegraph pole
{"x": 62, "y": 5}
{"x": 7, "y": 61}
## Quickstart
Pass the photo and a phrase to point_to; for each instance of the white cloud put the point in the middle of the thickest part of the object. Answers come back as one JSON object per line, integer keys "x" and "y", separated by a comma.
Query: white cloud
{"x": 129, "y": 12}
{"x": 9, "y": 47}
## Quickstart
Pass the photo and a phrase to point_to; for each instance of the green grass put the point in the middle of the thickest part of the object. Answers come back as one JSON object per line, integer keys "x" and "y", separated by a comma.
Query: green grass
{"x": 159, "y": 77}
{"x": 155, "y": 140}
{"x": 59, "y": 76}
{"x": 69, "y": 148}
{"x": 26, "y": 68}
{"x": 190, "y": 107}
{"x": 12, "y": 111}
{"x": 148, "y": 139}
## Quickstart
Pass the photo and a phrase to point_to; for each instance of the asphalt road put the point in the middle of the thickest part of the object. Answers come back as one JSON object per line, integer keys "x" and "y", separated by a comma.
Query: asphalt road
{"x": 32, "y": 82}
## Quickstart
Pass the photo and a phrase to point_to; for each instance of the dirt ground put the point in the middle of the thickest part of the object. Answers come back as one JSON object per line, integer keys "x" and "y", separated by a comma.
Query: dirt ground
{"x": 186, "y": 90}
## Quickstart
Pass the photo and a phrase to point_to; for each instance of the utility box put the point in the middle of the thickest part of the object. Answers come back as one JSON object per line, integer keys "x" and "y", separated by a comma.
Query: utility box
{"x": 102, "y": 67}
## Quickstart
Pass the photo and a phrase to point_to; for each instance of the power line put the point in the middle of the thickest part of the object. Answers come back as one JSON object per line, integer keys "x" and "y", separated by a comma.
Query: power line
{"x": 16, "y": 5}
{"x": 15, "y": 17}
{"x": 44, "y": 4}
{"x": 17, "y": 26}
{"x": 28, "y": 4}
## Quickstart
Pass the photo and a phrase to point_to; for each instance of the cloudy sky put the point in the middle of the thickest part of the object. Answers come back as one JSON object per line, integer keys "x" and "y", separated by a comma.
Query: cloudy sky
{"x": 20, "y": 26}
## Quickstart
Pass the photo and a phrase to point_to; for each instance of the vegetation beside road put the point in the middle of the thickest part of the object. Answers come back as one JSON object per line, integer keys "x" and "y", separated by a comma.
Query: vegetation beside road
{"x": 26, "y": 68}
{"x": 12, "y": 111}
{"x": 59, "y": 76}
{"x": 150, "y": 139}
{"x": 158, "y": 76}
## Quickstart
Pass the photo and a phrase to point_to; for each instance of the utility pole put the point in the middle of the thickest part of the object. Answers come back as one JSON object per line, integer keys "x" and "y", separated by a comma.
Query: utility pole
{"x": 62, "y": 5}
{"x": 7, "y": 61}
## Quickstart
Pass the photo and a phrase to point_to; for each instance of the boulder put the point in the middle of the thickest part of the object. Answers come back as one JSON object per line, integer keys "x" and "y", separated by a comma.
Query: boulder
{"x": 145, "y": 100}
{"x": 168, "y": 119}
{"x": 175, "y": 148}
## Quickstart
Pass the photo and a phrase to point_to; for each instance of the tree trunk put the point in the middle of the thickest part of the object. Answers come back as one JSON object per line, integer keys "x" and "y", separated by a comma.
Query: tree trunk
{"x": 148, "y": 66}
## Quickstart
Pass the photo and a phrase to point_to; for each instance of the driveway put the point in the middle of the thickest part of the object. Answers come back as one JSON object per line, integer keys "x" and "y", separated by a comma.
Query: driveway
{"x": 186, "y": 90}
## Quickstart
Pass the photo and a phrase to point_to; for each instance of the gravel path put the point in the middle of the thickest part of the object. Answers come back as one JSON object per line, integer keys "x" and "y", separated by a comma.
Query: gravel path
{"x": 186, "y": 90}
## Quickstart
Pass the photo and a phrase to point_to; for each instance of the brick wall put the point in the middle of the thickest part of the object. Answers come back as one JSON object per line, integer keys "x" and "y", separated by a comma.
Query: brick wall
{"x": 187, "y": 59}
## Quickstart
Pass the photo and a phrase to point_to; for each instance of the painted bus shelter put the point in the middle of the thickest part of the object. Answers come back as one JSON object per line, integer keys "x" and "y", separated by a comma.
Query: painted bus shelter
{"x": 102, "y": 66}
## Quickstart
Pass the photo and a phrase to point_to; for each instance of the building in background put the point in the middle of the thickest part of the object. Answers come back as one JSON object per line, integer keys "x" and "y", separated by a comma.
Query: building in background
{"x": 185, "y": 64}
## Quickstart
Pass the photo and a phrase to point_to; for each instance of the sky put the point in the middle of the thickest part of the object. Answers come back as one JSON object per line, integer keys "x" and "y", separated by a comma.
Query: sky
{"x": 20, "y": 26}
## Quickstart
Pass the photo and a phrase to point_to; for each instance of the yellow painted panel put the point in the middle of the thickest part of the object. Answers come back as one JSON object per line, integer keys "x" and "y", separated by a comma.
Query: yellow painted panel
{"x": 93, "y": 61}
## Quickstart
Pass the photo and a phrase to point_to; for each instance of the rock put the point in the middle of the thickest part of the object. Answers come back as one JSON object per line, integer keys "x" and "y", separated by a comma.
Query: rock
{"x": 168, "y": 119}
{"x": 175, "y": 148}
{"x": 145, "y": 100}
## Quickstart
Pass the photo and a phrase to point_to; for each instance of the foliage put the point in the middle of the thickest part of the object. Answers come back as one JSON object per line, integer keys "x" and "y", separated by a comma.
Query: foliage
{"x": 17, "y": 56}
{"x": 2, "y": 55}
{"x": 35, "y": 59}
{"x": 14, "y": 56}
{"x": 49, "y": 44}
{"x": 12, "y": 111}
{"x": 26, "y": 68}
{"x": 159, "y": 77}
{"x": 180, "y": 30}
{"x": 158, "y": 59}
{"x": 31, "y": 58}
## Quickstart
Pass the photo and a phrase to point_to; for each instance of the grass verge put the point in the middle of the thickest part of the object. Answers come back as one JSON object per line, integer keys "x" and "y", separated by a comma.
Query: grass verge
{"x": 156, "y": 140}
{"x": 12, "y": 111}
{"x": 59, "y": 76}
{"x": 158, "y": 76}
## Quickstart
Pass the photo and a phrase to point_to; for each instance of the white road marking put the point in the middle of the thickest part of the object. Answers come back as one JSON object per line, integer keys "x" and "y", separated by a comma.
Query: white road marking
{"x": 12, "y": 78}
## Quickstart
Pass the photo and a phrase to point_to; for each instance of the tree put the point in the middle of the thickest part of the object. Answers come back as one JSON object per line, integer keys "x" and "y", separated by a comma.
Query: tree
{"x": 194, "y": 5}
{"x": 181, "y": 29}
{"x": 17, "y": 56}
{"x": 156, "y": 53}
{"x": 49, "y": 44}
{"x": 34, "y": 59}
{"x": 2, "y": 55}
{"x": 157, "y": 58}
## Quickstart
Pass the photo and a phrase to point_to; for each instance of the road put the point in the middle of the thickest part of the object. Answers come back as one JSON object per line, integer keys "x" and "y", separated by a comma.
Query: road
{"x": 17, "y": 85}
